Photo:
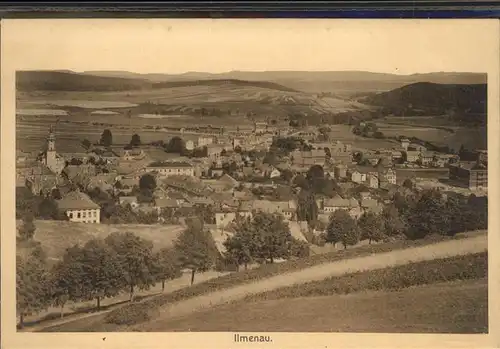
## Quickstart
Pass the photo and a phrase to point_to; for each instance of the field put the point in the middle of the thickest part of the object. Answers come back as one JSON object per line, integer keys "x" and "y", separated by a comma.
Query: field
{"x": 454, "y": 307}
{"x": 56, "y": 236}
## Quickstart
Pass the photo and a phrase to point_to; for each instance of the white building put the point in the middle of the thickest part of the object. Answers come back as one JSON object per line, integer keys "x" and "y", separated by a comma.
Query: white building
{"x": 165, "y": 169}
{"x": 78, "y": 207}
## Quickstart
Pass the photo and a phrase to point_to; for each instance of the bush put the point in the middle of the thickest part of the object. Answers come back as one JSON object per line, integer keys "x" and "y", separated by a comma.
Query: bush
{"x": 474, "y": 266}
{"x": 129, "y": 315}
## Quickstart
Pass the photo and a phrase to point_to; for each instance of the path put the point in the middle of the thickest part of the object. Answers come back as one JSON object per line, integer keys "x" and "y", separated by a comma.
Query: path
{"x": 320, "y": 272}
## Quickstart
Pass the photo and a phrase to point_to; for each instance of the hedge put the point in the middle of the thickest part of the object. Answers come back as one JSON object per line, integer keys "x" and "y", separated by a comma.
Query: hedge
{"x": 473, "y": 266}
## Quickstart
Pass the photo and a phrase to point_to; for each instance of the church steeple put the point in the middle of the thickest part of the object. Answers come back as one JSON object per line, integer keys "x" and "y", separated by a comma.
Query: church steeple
{"x": 51, "y": 140}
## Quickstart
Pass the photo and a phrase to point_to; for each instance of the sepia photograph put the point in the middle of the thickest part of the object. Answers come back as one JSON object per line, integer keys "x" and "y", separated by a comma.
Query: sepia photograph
{"x": 229, "y": 176}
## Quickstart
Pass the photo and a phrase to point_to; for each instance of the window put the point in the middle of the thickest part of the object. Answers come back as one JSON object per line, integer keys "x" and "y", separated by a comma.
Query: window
{"x": 71, "y": 215}
{"x": 84, "y": 214}
{"x": 78, "y": 215}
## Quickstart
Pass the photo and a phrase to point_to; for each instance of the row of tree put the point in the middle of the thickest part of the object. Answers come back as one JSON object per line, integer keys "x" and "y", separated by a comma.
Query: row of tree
{"x": 103, "y": 268}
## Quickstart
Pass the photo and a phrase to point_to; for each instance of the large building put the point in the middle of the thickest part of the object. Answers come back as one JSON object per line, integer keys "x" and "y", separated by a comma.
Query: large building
{"x": 474, "y": 174}
{"x": 165, "y": 169}
{"x": 78, "y": 207}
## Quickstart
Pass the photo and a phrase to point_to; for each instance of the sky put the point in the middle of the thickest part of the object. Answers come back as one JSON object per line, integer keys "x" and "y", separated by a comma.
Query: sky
{"x": 215, "y": 46}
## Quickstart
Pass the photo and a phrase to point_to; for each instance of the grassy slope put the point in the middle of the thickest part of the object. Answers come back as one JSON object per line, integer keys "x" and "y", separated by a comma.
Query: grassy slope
{"x": 454, "y": 307}
{"x": 98, "y": 323}
{"x": 56, "y": 236}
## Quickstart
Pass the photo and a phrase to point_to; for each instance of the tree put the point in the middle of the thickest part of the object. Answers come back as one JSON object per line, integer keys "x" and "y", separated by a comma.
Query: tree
{"x": 86, "y": 144}
{"x": 32, "y": 282}
{"x": 167, "y": 266}
{"x": 393, "y": 223}
{"x": 48, "y": 209}
{"x": 56, "y": 194}
{"x": 135, "y": 260}
{"x": 286, "y": 175}
{"x": 342, "y": 228}
{"x": 240, "y": 248}
{"x": 371, "y": 227}
{"x": 196, "y": 249}
{"x": 147, "y": 182}
{"x": 408, "y": 183}
{"x": 307, "y": 208}
{"x": 175, "y": 145}
{"x": 136, "y": 140}
{"x": 100, "y": 275}
{"x": 315, "y": 172}
{"x": 27, "y": 228}
{"x": 427, "y": 216}
{"x": 66, "y": 278}
{"x": 301, "y": 182}
{"x": 273, "y": 237}
{"x": 106, "y": 138}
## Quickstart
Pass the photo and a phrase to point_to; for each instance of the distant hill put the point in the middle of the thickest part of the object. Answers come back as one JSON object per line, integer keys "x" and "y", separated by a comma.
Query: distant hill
{"x": 321, "y": 81}
{"x": 71, "y": 81}
{"x": 427, "y": 99}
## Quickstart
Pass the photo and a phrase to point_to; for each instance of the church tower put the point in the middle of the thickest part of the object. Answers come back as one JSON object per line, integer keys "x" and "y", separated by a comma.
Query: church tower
{"x": 50, "y": 155}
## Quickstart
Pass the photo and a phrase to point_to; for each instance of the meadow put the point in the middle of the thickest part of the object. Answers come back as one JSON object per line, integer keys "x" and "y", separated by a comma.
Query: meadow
{"x": 56, "y": 236}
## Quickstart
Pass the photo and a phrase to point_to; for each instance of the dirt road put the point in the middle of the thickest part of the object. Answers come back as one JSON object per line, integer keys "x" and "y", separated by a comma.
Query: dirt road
{"x": 320, "y": 272}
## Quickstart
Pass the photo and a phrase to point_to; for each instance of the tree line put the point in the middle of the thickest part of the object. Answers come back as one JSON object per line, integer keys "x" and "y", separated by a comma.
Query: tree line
{"x": 430, "y": 212}
{"x": 104, "y": 268}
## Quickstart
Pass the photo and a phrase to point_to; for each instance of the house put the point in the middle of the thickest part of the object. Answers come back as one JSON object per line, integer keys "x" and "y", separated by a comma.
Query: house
{"x": 426, "y": 158}
{"x": 128, "y": 200}
{"x": 132, "y": 154}
{"x": 340, "y": 171}
{"x": 260, "y": 127}
{"x": 357, "y": 177}
{"x": 396, "y": 156}
{"x": 225, "y": 217}
{"x": 308, "y": 158}
{"x": 205, "y": 141}
{"x": 214, "y": 151}
{"x": 387, "y": 175}
{"x": 412, "y": 155}
{"x": 338, "y": 203}
{"x": 341, "y": 152}
{"x": 109, "y": 156}
{"x": 189, "y": 145}
{"x": 165, "y": 169}
{"x": 417, "y": 147}
{"x": 286, "y": 208}
{"x": 216, "y": 172}
{"x": 201, "y": 201}
{"x": 73, "y": 171}
{"x": 40, "y": 180}
{"x": 165, "y": 203}
{"x": 78, "y": 207}
{"x": 103, "y": 181}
